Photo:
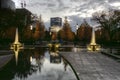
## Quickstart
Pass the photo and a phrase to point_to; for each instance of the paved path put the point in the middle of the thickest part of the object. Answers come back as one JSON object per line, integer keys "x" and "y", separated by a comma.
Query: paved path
{"x": 93, "y": 66}
{"x": 4, "y": 59}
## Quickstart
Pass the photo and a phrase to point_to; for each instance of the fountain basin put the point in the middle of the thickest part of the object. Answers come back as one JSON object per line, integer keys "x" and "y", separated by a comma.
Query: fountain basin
{"x": 53, "y": 46}
{"x": 93, "y": 47}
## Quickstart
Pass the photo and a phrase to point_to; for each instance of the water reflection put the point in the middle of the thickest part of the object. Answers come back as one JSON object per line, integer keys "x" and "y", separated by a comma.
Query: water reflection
{"x": 37, "y": 64}
{"x": 16, "y": 54}
{"x": 76, "y": 49}
{"x": 55, "y": 57}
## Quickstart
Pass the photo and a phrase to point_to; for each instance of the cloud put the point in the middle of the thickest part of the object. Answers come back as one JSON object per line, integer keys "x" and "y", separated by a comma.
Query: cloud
{"x": 76, "y": 10}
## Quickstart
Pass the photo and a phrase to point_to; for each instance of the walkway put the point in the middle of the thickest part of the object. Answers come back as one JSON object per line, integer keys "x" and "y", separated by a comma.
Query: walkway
{"x": 93, "y": 66}
{"x": 4, "y": 59}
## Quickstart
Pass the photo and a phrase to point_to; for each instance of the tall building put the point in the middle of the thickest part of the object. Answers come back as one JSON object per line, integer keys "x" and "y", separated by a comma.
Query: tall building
{"x": 56, "y": 21}
{"x": 9, "y": 4}
{"x": 24, "y": 15}
{"x": 55, "y": 26}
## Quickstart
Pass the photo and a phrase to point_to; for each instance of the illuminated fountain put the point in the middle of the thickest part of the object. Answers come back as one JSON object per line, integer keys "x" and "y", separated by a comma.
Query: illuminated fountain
{"x": 53, "y": 46}
{"x": 93, "y": 46}
{"x": 16, "y": 46}
{"x": 16, "y": 43}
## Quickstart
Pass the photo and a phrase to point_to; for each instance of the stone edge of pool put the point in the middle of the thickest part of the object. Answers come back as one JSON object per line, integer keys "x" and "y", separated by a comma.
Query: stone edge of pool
{"x": 70, "y": 65}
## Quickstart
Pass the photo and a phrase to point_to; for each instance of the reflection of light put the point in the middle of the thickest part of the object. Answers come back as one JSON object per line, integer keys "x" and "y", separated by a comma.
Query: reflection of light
{"x": 16, "y": 55}
{"x": 75, "y": 49}
{"x": 54, "y": 53}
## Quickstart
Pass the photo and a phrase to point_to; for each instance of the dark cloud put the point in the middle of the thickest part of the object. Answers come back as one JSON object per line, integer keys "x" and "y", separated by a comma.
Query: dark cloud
{"x": 79, "y": 20}
{"x": 76, "y": 10}
{"x": 51, "y": 5}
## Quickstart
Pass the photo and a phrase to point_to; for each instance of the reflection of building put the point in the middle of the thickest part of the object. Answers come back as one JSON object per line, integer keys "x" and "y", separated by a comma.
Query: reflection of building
{"x": 55, "y": 57}
{"x": 7, "y": 4}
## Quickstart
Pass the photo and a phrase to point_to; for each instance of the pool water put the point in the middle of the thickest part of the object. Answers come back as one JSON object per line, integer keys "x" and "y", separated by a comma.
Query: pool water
{"x": 37, "y": 64}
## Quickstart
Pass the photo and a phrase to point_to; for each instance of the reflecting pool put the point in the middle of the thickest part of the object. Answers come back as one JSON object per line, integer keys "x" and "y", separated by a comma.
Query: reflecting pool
{"x": 37, "y": 64}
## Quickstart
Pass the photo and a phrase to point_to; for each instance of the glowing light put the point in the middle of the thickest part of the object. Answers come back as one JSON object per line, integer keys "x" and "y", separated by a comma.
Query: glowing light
{"x": 93, "y": 46}
{"x": 53, "y": 46}
{"x": 16, "y": 43}
{"x": 16, "y": 55}
{"x": 16, "y": 46}
{"x": 93, "y": 41}
{"x": 31, "y": 59}
{"x": 31, "y": 27}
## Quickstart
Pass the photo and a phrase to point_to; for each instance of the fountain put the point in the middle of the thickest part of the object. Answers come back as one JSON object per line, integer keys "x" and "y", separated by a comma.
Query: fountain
{"x": 54, "y": 46}
{"x": 16, "y": 46}
{"x": 93, "y": 46}
{"x": 16, "y": 43}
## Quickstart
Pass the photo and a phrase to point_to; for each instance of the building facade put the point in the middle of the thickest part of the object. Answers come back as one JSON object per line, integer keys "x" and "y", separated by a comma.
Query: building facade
{"x": 55, "y": 26}
{"x": 56, "y": 21}
{"x": 24, "y": 15}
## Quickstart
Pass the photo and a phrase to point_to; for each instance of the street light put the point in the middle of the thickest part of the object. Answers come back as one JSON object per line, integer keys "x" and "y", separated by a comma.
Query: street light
{"x": 76, "y": 28}
{"x": 31, "y": 28}
{"x": 76, "y": 34}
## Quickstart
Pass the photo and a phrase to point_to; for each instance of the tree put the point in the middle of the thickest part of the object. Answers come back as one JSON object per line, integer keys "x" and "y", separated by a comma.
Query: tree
{"x": 84, "y": 32}
{"x": 66, "y": 33}
{"x": 109, "y": 21}
{"x": 40, "y": 30}
{"x": 28, "y": 34}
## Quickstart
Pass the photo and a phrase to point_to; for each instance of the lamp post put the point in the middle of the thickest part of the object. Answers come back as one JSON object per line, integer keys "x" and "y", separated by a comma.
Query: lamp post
{"x": 76, "y": 35}
{"x": 31, "y": 28}
{"x": 76, "y": 28}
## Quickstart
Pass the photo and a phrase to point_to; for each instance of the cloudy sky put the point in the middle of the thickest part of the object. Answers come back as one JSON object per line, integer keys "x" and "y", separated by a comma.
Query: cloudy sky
{"x": 75, "y": 10}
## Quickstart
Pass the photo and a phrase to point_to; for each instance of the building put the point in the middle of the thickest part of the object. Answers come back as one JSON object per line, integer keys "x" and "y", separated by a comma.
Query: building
{"x": 9, "y": 4}
{"x": 24, "y": 15}
{"x": 56, "y": 21}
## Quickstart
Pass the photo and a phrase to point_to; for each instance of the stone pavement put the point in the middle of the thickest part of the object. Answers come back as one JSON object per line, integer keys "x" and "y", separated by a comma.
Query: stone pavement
{"x": 4, "y": 59}
{"x": 93, "y": 65}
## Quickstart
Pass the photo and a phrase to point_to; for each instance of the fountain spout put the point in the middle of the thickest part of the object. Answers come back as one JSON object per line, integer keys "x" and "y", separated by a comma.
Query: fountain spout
{"x": 93, "y": 46}
{"x": 93, "y": 41}
{"x": 16, "y": 46}
{"x": 16, "y": 43}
